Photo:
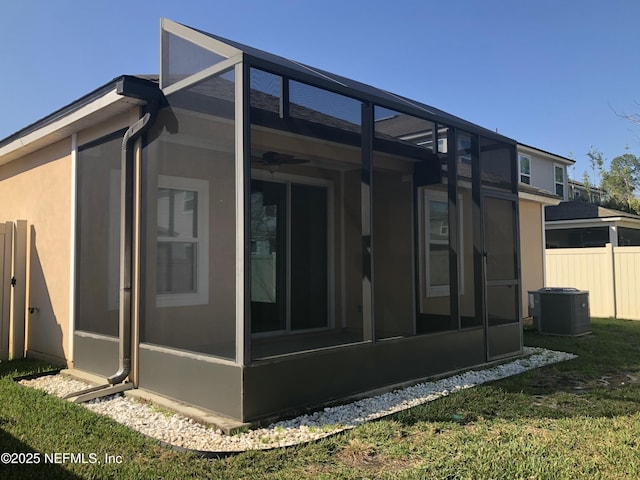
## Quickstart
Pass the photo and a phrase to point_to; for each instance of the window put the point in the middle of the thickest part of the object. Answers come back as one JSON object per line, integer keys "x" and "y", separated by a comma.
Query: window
{"x": 436, "y": 244}
{"x": 464, "y": 148}
{"x": 525, "y": 169}
{"x": 182, "y": 258}
{"x": 559, "y": 180}
{"x": 290, "y": 222}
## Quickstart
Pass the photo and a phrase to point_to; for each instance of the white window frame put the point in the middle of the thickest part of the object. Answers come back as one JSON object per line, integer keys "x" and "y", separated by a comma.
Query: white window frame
{"x": 429, "y": 290}
{"x": 522, "y": 174}
{"x": 564, "y": 180}
{"x": 201, "y": 294}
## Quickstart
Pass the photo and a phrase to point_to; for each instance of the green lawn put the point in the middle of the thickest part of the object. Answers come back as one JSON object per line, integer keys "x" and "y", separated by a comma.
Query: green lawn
{"x": 577, "y": 419}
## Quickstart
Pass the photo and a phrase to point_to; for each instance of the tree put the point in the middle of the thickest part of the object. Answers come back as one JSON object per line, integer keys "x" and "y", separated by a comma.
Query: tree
{"x": 632, "y": 117}
{"x": 622, "y": 180}
{"x": 596, "y": 162}
{"x": 586, "y": 180}
{"x": 593, "y": 181}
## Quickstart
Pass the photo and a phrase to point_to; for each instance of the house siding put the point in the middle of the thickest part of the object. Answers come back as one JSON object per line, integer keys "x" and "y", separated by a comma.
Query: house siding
{"x": 37, "y": 188}
{"x": 532, "y": 258}
{"x": 543, "y": 170}
{"x": 542, "y": 174}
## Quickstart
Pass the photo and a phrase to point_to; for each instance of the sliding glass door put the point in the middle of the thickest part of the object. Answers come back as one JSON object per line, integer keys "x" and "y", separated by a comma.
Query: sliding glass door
{"x": 289, "y": 256}
{"x": 268, "y": 252}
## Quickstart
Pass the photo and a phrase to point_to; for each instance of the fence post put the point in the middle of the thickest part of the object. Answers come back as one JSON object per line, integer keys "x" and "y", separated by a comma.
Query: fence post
{"x": 18, "y": 294}
{"x": 610, "y": 249}
{"x": 6, "y": 245}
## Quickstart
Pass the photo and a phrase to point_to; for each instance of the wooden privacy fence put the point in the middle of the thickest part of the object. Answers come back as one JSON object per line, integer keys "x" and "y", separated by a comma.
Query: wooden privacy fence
{"x": 610, "y": 274}
{"x": 13, "y": 287}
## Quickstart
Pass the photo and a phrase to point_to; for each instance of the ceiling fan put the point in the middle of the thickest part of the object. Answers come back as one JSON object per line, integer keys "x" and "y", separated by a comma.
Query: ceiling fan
{"x": 276, "y": 158}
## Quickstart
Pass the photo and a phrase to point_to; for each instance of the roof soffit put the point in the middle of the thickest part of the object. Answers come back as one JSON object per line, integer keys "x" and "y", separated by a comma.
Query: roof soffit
{"x": 527, "y": 150}
{"x": 542, "y": 199}
{"x": 100, "y": 109}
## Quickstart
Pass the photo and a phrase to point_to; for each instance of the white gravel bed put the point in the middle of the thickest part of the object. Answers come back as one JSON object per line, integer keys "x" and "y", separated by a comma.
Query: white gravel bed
{"x": 184, "y": 432}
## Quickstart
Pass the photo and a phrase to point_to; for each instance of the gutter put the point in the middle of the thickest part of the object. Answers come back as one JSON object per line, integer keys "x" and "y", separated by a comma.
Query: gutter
{"x": 126, "y": 85}
{"x": 542, "y": 199}
{"x": 118, "y": 96}
{"x": 152, "y": 97}
{"x": 528, "y": 149}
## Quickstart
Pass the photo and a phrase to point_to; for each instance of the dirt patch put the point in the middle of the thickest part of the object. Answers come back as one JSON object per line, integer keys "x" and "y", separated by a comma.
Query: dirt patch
{"x": 581, "y": 384}
{"x": 614, "y": 380}
{"x": 361, "y": 455}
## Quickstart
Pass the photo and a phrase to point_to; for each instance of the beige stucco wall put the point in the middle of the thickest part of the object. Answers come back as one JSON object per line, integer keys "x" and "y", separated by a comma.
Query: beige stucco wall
{"x": 531, "y": 249}
{"x": 37, "y": 188}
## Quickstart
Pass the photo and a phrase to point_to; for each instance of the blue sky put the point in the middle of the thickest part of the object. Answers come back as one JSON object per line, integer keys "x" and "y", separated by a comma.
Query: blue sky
{"x": 548, "y": 73}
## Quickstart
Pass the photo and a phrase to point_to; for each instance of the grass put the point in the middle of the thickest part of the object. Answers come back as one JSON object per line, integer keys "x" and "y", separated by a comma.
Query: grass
{"x": 577, "y": 419}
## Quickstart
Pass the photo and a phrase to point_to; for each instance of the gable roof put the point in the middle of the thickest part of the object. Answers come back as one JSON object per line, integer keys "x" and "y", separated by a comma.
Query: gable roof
{"x": 112, "y": 98}
{"x": 553, "y": 156}
{"x": 578, "y": 210}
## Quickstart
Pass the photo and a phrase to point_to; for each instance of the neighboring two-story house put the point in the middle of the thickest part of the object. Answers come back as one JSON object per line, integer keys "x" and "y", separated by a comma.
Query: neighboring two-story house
{"x": 543, "y": 182}
{"x": 584, "y": 193}
{"x": 544, "y": 170}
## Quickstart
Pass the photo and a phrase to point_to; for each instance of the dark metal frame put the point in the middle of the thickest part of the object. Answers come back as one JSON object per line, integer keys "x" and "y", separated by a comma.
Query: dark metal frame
{"x": 368, "y": 142}
{"x": 366, "y": 186}
{"x": 262, "y": 386}
{"x": 96, "y": 352}
{"x": 454, "y": 215}
{"x": 505, "y": 330}
{"x": 246, "y": 215}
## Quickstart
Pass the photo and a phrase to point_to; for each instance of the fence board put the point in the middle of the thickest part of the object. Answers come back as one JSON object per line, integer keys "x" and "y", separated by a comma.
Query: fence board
{"x": 610, "y": 274}
{"x": 627, "y": 276}
{"x": 6, "y": 239}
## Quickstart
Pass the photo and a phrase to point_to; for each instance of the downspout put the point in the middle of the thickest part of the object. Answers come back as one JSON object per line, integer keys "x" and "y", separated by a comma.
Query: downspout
{"x": 126, "y": 236}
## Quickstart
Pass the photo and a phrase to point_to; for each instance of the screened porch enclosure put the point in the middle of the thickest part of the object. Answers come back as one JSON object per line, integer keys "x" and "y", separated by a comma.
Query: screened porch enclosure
{"x": 303, "y": 237}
